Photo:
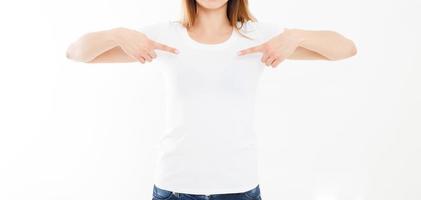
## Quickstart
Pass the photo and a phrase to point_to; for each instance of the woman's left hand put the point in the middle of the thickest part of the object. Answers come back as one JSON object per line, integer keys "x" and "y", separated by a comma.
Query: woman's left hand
{"x": 276, "y": 50}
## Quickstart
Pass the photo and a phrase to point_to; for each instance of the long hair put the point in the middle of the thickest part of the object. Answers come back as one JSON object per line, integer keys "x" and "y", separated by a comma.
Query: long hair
{"x": 237, "y": 11}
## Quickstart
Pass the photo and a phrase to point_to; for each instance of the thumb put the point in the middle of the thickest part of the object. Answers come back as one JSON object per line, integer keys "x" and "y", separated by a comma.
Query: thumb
{"x": 254, "y": 49}
{"x": 164, "y": 47}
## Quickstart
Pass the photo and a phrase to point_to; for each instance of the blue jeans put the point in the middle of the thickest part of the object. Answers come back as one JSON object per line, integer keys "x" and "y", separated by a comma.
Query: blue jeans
{"x": 161, "y": 194}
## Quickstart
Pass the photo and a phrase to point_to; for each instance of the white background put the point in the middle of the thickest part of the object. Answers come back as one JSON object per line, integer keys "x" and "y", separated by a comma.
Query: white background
{"x": 328, "y": 130}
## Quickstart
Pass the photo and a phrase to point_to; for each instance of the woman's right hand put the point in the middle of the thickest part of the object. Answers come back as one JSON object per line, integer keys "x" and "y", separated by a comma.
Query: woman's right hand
{"x": 138, "y": 46}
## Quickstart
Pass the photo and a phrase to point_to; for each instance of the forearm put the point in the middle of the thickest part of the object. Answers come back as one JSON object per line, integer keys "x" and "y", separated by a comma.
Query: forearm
{"x": 90, "y": 45}
{"x": 329, "y": 44}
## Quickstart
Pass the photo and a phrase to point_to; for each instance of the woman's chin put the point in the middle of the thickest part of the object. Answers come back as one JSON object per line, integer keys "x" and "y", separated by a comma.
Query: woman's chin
{"x": 212, "y": 4}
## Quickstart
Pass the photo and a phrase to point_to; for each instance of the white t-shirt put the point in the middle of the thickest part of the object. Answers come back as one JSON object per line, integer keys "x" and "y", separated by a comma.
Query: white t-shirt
{"x": 209, "y": 145}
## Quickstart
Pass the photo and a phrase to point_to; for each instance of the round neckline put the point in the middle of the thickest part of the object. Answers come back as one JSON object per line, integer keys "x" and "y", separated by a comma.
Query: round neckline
{"x": 198, "y": 44}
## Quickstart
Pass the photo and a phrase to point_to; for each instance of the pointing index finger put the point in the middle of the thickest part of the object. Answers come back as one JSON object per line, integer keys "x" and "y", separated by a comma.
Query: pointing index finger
{"x": 253, "y": 49}
{"x": 164, "y": 47}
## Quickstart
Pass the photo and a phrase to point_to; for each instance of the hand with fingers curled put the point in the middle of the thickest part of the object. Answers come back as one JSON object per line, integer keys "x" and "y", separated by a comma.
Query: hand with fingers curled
{"x": 275, "y": 50}
{"x": 138, "y": 45}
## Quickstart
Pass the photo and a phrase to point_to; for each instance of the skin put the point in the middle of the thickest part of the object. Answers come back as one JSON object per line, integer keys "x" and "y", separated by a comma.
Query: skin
{"x": 212, "y": 26}
{"x": 114, "y": 46}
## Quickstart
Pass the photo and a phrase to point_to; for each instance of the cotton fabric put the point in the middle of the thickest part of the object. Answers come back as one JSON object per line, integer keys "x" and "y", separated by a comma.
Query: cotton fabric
{"x": 209, "y": 145}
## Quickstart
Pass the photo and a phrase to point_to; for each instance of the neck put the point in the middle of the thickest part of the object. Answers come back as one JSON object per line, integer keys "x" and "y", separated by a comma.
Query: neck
{"x": 211, "y": 20}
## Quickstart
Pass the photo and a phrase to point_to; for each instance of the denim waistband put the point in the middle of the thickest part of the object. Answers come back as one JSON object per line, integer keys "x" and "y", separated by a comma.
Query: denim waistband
{"x": 163, "y": 192}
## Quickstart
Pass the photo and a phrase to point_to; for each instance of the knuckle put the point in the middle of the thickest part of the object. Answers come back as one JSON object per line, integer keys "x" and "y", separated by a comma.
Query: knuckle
{"x": 278, "y": 53}
{"x": 266, "y": 46}
{"x": 144, "y": 57}
{"x": 149, "y": 41}
{"x": 142, "y": 51}
{"x": 148, "y": 49}
{"x": 139, "y": 56}
{"x": 149, "y": 44}
{"x": 281, "y": 57}
{"x": 271, "y": 51}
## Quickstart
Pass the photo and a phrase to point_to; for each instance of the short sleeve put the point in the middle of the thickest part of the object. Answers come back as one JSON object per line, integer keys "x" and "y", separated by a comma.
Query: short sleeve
{"x": 262, "y": 30}
{"x": 154, "y": 31}
{"x": 268, "y": 30}
{"x": 161, "y": 31}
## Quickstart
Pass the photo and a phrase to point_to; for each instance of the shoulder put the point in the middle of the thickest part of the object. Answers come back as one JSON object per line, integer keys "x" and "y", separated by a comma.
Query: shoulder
{"x": 261, "y": 30}
{"x": 157, "y": 29}
{"x": 157, "y": 26}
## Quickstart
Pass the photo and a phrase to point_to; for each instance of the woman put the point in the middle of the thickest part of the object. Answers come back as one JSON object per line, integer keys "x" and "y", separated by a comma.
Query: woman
{"x": 212, "y": 60}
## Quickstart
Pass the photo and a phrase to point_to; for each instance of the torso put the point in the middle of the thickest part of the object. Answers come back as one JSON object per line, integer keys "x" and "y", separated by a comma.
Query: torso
{"x": 209, "y": 145}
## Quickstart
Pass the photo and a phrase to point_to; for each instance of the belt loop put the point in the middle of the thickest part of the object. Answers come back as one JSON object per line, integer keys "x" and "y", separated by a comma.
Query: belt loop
{"x": 176, "y": 194}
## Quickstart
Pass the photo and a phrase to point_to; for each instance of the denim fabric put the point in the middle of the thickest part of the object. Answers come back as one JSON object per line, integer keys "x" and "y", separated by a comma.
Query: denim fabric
{"x": 161, "y": 194}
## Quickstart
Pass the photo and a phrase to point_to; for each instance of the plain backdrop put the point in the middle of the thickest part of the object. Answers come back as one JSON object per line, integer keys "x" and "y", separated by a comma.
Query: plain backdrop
{"x": 327, "y": 130}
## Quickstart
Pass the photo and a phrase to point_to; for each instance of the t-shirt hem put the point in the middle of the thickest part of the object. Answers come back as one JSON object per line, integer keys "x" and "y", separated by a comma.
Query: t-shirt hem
{"x": 208, "y": 191}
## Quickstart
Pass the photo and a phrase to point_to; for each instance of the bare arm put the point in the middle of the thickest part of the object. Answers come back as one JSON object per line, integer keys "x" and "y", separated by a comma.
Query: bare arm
{"x": 322, "y": 44}
{"x": 91, "y": 45}
{"x": 302, "y": 53}
{"x": 115, "y": 45}
{"x": 303, "y": 45}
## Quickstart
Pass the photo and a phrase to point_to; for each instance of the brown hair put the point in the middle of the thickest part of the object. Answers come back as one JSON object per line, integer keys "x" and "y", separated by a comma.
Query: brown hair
{"x": 237, "y": 11}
